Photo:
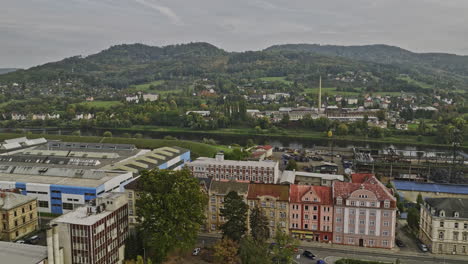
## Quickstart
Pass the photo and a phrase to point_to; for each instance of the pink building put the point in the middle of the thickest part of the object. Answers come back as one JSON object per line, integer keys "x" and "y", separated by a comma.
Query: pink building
{"x": 364, "y": 213}
{"x": 311, "y": 212}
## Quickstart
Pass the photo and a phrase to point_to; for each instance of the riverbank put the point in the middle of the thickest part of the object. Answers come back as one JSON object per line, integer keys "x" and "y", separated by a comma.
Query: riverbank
{"x": 196, "y": 148}
{"x": 293, "y": 134}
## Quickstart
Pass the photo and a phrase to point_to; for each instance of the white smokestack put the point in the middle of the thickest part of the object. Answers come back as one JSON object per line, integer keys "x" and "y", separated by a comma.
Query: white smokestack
{"x": 320, "y": 94}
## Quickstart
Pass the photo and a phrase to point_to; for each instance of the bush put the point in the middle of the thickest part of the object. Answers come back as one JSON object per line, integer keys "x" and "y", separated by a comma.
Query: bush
{"x": 107, "y": 134}
{"x": 169, "y": 138}
{"x": 138, "y": 135}
{"x": 126, "y": 135}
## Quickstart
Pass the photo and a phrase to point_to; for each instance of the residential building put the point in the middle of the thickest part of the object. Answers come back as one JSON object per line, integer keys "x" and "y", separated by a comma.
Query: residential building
{"x": 95, "y": 234}
{"x": 311, "y": 212}
{"x": 217, "y": 193}
{"x": 273, "y": 199}
{"x": 443, "y": 225}
{"x": 16, "y": 253}
{"x": 202, "y": 113}
{"x": 227, "y": 170}
{"x": 150, "y": 97}
{"x": 364, "y": 214}
{"x": 18, "y": 215}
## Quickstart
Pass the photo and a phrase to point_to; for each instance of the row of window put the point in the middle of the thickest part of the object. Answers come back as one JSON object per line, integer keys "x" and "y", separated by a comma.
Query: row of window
{"x": 363, "y": 212}
{"x": 455, "y": 225}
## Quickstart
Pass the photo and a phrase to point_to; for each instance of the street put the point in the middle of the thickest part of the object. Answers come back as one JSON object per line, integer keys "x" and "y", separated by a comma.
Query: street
{"x": 330, "y": 254}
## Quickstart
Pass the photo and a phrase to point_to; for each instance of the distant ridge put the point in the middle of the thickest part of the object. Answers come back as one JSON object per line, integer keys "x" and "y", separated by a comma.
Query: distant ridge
{"x": 7, "y": 70}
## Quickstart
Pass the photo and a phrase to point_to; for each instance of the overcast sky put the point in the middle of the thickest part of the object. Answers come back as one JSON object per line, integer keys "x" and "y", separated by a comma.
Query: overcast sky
{"x": 34, "y": 32}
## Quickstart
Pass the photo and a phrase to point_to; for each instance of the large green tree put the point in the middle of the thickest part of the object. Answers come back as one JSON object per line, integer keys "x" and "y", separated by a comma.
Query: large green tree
{"x": 170, "y": 211}
{"x": 413, "y": 218}
{"x": 259, "y": 224}
{"x": 235, "y": 213}
{"x": 283, "y": 249}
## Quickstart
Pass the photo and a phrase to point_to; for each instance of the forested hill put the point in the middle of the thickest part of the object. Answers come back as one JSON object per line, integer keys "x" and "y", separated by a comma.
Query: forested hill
{"x": 433, "y": 63}
{"x": 122, "y": 66}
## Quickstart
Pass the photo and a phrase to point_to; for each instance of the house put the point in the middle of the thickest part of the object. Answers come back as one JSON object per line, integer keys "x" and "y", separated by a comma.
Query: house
{"x": 89, "y": 99}
{"x": 352, "y": 101}
{"x": 150, "y": 97}
{"x": 202, "y": 113}
{"x": 273, "y": 199}
{"x": 19, "y": 215}
{"x": 368, "y": 102}
{"x": 267, "y": 150}
{"x": 324, "y": 167}
{"x": 87, "y": 116}
{"x": 17, "y": 116}
{"x": 443, "y": 225}
{"x": 311, "y": 212}
{"x": 364, "y": 214}
{"x": 132, "y": 98}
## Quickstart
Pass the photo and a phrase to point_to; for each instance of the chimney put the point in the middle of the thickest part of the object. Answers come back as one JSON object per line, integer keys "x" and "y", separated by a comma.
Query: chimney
{"x": 50, "y": 248}
{"x": 220, "y": 156}
{"x": 320, "y": 95}
{"x": 56, "y": 246}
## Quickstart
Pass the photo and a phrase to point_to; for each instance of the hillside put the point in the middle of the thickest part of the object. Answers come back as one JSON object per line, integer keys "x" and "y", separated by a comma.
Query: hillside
{"x": 438, "y": 64}
{"x": 120, "y": 67}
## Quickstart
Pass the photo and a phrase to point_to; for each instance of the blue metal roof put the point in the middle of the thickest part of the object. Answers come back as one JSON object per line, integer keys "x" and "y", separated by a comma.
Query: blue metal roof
{"x": 431, "y": 187}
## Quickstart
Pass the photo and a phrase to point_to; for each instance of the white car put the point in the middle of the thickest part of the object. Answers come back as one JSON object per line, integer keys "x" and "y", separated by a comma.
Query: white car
{"x": 20, "y": 242}
{"x": 196, "y": 252}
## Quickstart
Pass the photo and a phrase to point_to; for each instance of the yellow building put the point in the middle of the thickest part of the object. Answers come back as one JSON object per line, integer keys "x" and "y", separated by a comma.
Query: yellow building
{"x": 217, "y": 192}
{"x": 18, "y": 215}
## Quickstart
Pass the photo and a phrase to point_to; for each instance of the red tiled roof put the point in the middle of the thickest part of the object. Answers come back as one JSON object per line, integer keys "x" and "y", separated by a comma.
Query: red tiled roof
{"x": 344, "y": 189}
{"x": 266, "y": 147}
{"x": 360, "y": 177}
{"x": 297, "y": 191}
{"x": 281, "y": 192}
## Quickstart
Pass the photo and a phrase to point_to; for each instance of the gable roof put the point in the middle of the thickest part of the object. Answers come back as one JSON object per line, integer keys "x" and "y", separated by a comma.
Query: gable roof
{"x": 296, "y": 192}
{"x": 281, "y": 192}
{"x": 9, "y": 200}
{"x": 344, "y": 189}
{"x": 450, "y": 206}
{"x": 225, "y": 187}
{"x": 360, "y": 177}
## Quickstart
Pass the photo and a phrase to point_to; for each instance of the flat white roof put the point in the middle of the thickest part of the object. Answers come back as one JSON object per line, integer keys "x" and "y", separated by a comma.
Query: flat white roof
{"x": 21, "y": 253}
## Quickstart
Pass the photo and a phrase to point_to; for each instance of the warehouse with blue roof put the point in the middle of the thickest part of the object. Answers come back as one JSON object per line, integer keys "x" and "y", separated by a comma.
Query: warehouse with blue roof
{"x": 410, "y": 190}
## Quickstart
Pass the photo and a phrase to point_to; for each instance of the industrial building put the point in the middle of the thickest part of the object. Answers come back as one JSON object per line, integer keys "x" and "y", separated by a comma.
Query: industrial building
{"x": 410, "y": 190}
{"x": 66, "y": 175}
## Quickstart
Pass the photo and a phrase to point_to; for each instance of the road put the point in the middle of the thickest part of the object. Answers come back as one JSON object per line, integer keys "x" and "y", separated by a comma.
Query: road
{"x": 336, "y": 253}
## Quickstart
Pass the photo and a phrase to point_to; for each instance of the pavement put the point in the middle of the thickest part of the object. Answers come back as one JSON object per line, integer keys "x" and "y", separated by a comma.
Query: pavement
{"x": 332, "y": 252}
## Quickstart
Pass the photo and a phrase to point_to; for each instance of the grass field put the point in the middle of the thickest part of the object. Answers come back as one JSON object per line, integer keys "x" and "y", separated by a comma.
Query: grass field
{"x": 102, "y": 104}
{"x": 11, "y": 102}
{"x": 330, "y": 91}
{"x": 145, "y": 87}
{"x": 276, "y": 79}
{"x": 415, "y": 82}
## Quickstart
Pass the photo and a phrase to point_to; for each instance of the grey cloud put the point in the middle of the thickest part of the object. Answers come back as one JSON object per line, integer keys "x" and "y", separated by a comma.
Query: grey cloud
{"x": 37, "y": 31}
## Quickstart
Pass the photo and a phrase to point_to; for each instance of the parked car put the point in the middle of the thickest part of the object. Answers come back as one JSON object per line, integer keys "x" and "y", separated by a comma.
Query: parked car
{"x": 196, "y": 252}
{"x": 399, "y": 243}
{"x": 308, "y": 254}
{"x": 20, "y": 242}
{"x": 321, "y": 262}
{"x": 32, "y": 240}
{"x": 422, "y": 247}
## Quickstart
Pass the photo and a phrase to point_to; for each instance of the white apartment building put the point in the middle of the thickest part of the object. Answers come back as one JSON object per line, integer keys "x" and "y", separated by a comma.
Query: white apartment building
{"x": 443, "y": 225}
{"x": 220, "y": 169}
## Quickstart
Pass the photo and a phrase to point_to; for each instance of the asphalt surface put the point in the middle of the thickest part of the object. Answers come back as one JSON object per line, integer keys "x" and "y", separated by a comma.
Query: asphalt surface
{"x": 331, "y": 254}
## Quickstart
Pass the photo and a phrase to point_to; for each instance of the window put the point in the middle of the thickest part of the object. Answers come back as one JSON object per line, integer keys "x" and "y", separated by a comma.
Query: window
{"x": 43, "y": 204}
{"x": 386, "y": 223}
{"x": 213, "y": 217}
{"x": 385, "y": 233}
{"x": 351, "y": 211}
{"x": 361, "y": 222}
{"x": 306, "y": 226}
{"x": 371, "y": 223}
{"x": 371, "y": 232}
{"x": 465, "y": 225}
{"x": 385, "y": 243}
{"x": 338, "y": 229}
{"x": 361, "y": 231}
{"x": 456, "y": 225}
{"x": 338, "y": 210}
{"x": 213, "y": 199}
{"x": 315, "y": 208}
{"x": 306, "y": 216}
{"x": 338, "y": 239}
{"x": 373, "y": 205}
{"x": 339, "y": 201}
{"x": 441, "y": 224}
{"x": 338, "y": 219}
{"x": 314, "y": 217}
{"x": 15, "y": 214}
{"x": 362, "y": 212}
{"x": 386, "y": 214}
{"x": 306, "y": 208}
{"x": 372, "y": 213}
{"x": 455, "y": 235}
{"x": 353, "y": 203}
{"x": 362, "y": 203}
{"x": 387, "y": 204}
{"x": 371, "y": 242}
{"x": 351, "y": 240}
{"x": 464, "y": 236}
{"x": 441, "y": 235}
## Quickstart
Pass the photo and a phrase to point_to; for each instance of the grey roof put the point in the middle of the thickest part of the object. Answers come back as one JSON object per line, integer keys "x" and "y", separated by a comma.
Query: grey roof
{"x": 21, "y": 253}
{"x": 9, "y": 200}
{"x": 449, "y": 205}
{"x": 221, "y": 187}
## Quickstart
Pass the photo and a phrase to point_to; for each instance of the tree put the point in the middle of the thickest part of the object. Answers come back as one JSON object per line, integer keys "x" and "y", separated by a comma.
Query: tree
{"x": 225, "y": 251}
{"x": 170, "y": 211}
{"x": 283, "y": 249}
{"x": 254, "y": 252}
{"x": 126, "y": 135}
{"x": 420, "y": 200}
{"x": 342, "y": 130}
{"x": 138, "y": 135}
{"x": 381, "y": 115}
{"x": 292, "y": 165}
{"x": 413, "y": 218}
{"x": 259, "y": 225}
{"x": 107, "y": 134}
{"x": 376, "y": 132}
{"x": 235, "y": 213}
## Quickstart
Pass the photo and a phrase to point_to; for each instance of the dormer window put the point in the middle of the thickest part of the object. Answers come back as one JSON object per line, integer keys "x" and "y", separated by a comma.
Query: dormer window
{"x": 315, "y": 199}
{"x": 442, "y": 213}
{"x": 386, "y": 203}
{"x": 339, "y": 200}
{"x": 456, "y": 214}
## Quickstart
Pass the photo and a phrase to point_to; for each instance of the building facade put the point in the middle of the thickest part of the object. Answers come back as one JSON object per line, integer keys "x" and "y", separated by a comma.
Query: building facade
{"x": 220, "y": 169}
{"x": 364, "y": 214}
{"x": 18, "y": 215}
{"x": 217, "y": 193}
{"x": 444, "y": 225}
{"x": 95, "y": 234}
{"x": 311, "y": 212}
{"x": 273, "y": 199}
